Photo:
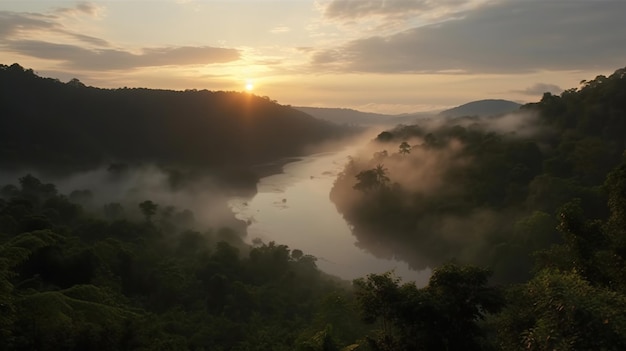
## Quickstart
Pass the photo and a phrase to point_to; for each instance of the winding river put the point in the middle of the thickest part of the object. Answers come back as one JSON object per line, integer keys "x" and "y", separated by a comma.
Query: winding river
{"x": 293, "y": 208}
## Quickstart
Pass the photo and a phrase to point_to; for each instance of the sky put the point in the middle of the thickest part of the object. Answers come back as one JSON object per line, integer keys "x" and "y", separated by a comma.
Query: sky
{"x": 387, "y": 56}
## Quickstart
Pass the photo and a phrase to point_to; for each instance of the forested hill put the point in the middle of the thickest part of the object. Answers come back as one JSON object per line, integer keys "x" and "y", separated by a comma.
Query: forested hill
{"x": 66, "y": 126}
{"x": 488, "y": 191}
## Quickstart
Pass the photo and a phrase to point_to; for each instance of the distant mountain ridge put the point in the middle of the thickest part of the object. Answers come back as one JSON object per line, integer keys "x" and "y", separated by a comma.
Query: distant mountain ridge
{"x": 360, "y": 118}
{"x": 487, "y": 107}
{"x": 344, "y": 115}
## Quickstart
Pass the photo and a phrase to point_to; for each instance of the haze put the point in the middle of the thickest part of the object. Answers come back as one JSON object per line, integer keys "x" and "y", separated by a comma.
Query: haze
{"x": 379, "y": 56}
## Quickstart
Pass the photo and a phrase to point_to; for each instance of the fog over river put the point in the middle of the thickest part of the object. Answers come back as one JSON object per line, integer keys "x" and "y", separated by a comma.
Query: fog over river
{"x": 294, "y": 209}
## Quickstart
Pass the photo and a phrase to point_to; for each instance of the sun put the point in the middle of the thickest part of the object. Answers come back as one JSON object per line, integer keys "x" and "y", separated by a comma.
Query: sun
{"x": 249, "y": 85}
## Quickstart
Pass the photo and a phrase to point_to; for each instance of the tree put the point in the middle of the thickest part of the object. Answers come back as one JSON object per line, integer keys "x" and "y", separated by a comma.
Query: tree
{"x": 148, "y": 208}
{"x": 405, "y": 148}
{"x": 379, "y": 298}
{"x": 366, "y": 180}
{"x": 559, "y": 310}
{"x": 296, "y": 254}
{"x": 114, "y": 211}
{"x": 384, "y": 136}
{"x": 372, "y": 179}
{"x": 577, "y": 300}
{"x": 462, "y": 299}
{"x": 445, "y": 315}
{"x": 381, "y": 174}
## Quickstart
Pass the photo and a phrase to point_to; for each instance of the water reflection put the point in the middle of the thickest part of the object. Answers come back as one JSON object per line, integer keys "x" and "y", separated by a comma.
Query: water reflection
{"x": 294, "y": 209}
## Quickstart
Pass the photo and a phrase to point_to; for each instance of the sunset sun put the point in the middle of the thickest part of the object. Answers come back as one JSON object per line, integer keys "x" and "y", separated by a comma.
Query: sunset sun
{"x": 249, "y": 86}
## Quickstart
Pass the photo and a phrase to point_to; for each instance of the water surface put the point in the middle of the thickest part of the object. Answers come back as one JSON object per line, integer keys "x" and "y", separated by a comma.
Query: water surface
{"x": 294, "y": 209}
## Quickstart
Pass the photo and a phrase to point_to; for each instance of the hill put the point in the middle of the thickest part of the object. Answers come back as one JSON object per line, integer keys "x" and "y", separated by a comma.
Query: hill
{"x": 50, "y": 125}
{"x": 359, "y": 118}
{"x": 345, "y": 115}
{"x": 431, "y": 193}
{"x": 489, "y": 107}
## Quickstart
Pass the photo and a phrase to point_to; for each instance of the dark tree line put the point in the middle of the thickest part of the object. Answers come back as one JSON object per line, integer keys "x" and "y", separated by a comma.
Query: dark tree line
{"x": 54, "y": 126}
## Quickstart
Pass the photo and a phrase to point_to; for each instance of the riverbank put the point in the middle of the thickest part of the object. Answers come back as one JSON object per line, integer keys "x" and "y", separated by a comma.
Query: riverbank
{"x": 293, "y": 208}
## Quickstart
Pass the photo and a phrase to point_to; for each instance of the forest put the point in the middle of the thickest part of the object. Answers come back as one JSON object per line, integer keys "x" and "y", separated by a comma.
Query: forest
{"x": 60, "y": 128}
{"x": 521, "y": 217}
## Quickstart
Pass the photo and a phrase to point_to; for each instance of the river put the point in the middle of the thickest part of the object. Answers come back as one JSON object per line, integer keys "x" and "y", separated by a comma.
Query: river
{"x": 293, "y": 208}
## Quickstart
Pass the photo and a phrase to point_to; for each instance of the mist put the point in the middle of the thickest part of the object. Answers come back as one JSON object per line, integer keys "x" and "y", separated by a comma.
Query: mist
{"x": 201, "y": 198}
{"x": 435, "y": 203}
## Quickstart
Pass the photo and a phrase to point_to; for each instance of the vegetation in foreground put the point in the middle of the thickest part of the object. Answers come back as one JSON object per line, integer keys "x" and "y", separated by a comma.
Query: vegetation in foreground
{"x": 73, "y": 278}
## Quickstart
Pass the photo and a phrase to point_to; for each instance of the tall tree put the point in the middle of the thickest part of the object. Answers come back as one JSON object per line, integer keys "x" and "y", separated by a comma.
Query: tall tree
{"x": 405, "y": 148}
{"x": 148, "y": 208}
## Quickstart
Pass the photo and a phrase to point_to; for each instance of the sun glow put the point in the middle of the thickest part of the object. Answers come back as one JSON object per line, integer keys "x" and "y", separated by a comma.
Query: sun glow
{"x": 249, "y": 85}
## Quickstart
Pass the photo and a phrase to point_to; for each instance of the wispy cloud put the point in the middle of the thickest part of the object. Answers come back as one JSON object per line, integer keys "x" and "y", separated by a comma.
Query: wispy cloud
{"x": 13, "y": 23}
{"x": 278, "y": 30}
{"x": 45, "y": 36}
{"x": 353, "y": 10}
{"x": 72, "y": 56}
{"x": 81, "y": 8}
{"x": 15, "y": 26}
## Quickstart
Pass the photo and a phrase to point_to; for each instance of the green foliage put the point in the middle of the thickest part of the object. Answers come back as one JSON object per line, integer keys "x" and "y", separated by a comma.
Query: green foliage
{"x": 87, "y": 283}
{"x": 53, "y": 320}
{"x": 442, "y": 316}
{"x": 562, "y": 311}
{"x": 577, "y": 300}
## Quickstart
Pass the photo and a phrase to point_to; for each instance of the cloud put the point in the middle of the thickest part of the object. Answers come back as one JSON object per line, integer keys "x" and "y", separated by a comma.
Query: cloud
{"x": 89, "y": 39}
{"x": 44, "y": 36}
{"x": 12, "y": 23}
{"x": 359, "y": 9}
{"x": 502, "y": 37}
{"x": 80, "y": 8}
{"x": 15, "y": 26}
{"x": 111, "y": 59}
{"x": 278, "y": 30}
{"x": 305, "y": 48}
{"x": 540, "y": 88}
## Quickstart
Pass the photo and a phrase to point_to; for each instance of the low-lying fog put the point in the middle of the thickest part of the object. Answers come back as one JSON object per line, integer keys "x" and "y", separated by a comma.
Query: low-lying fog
{"x": 294, "y": 209}
{"x": 129, "y": 186}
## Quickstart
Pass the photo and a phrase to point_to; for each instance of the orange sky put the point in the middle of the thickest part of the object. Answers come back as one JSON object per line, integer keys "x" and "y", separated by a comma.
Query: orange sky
{"x": 372, "y": 55}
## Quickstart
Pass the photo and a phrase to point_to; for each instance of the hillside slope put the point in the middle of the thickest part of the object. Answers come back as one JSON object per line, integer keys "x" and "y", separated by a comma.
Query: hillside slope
{"x": 47, "y": 124}
{"x": 359, "y": 118}
{"x": 469, "y": 192}
{"x": 488, "y": 107}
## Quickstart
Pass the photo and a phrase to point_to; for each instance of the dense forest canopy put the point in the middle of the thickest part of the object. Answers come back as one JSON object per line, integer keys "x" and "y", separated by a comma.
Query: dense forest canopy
{"x": 521, "y": 217}
{"x": 50, "y": 125}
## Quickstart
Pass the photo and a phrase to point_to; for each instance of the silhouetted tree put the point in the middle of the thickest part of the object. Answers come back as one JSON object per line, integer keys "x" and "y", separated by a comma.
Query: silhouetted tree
{"x": 405, "y": 148}
{"x": 148, "y": 208}
{"x": 372, "y": 179}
